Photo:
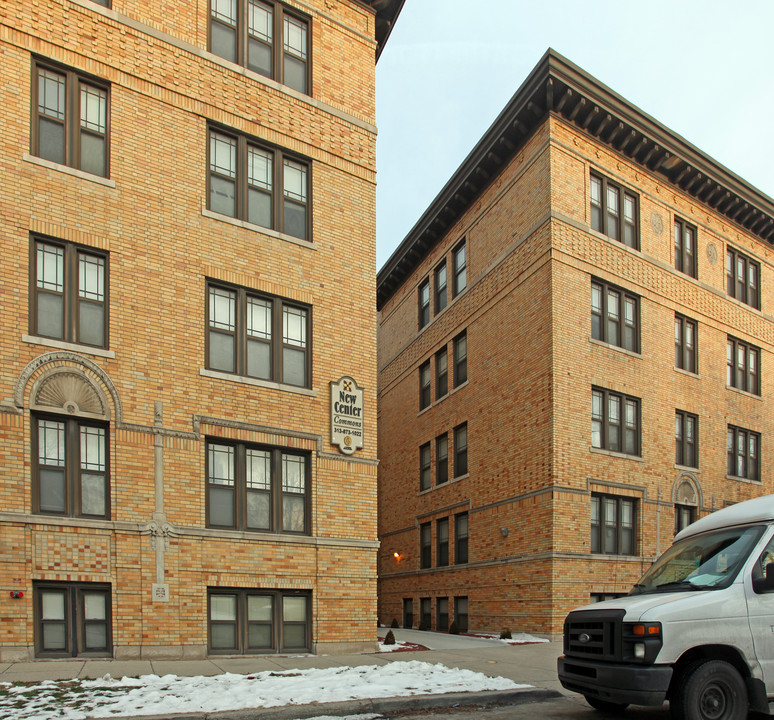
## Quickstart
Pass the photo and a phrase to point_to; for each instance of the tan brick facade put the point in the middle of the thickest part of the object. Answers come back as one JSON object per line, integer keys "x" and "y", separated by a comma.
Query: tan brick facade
{"x": 532, "y": 473}
{"x": 150, "y": 387}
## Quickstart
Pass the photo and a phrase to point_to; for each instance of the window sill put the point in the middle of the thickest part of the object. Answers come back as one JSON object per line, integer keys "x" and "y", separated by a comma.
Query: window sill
{"x": 750, "y": 395}
{"x": 617, "y": 348}
{"x": 259, "y": 229}
{"x": 688, "y": 468}
{"x": 73, "y": 347}
{"x": 244, "y": 380}
{"x": 450, "y": 481}
{"x": 612, "y": 453}
{"x": 743, "y": 480}
{"x": 67, "y": 170}
{"x": 682, "y": 371}
{"x": 441, "y": 399}
{"x": 618, "y": 243}
{"x": 743, "y": 304}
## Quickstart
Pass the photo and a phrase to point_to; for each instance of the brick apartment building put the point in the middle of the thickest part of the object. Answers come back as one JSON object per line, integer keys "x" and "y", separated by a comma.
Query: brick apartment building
{"x": 575, "y": 353}
{"x": 187, "y": 240}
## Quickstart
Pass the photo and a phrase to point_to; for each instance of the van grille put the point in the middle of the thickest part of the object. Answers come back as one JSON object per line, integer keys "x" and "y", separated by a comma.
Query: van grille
{"x": 594, "y": 634}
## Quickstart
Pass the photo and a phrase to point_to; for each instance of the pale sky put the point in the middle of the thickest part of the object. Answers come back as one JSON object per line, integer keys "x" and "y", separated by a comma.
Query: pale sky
{"x": 703, "y": 68}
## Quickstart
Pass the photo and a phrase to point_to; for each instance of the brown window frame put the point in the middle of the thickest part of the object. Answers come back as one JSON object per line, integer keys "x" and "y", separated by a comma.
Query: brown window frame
{"x": 459, "y": 268}
{"x": 686, "y": 449}
{"x": 744, "y": 291}
{"x": 441, "y": 373}
{"x": 423, "y": 303}
{"x": 74, "y": 620}
{"x": 239, "y": 333}
{"x": 442, "y": 542}
{"x": 606, "y": 424}
{"x": 686, "y": 259}
{"x": 460, "y": 451}
{"x": 442, "y": 459}
{"x": 612, "y": 220}
{"x": 70, "y": 293}
{"x": 425, "y": 463}
{"x": 621, "y": 332}
{"x": 461, "y": 538}
{"x": 236, "y": 175}
{"x": 460, "y": 358}
{"x": 441, "y": 287}
{"x": 239, "y": 26}
{"x": 425, "y": 546}
{"x": 71, "y": 122}
{"x": 747, "y": 375}
{"x": 686, "y": 352}
{"x": 240, "y": 492}
{"x": 684, "y": 516}
{"x": 750, "y": 472}
{"x": 599, "y": 539}
{"x": 425, "y": 385}
{"x": 241, "y": 622}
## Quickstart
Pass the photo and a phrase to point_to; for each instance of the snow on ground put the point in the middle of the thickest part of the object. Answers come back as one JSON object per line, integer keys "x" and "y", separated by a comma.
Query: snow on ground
{"x": 516, "y": 639}
{"x": 154, "y": 695}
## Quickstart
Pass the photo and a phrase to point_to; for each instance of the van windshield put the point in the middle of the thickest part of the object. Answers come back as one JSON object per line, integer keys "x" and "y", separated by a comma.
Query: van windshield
{"x": 709, "y": 561}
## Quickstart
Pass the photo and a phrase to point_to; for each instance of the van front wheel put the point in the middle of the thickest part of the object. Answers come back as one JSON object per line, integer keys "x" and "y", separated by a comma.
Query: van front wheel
{"x": 710, "y": 690}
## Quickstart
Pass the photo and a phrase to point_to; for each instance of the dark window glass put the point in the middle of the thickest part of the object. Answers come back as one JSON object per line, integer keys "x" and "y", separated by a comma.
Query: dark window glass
{"x": 257, "y": 488}
{"x": 425, "y": 545}
{"x": 460, "y": 359}
{"x": 242, "y": 622}
{"x": 70, "y": 467}
{"x": 425, "y": 612}
{"x": 461, "y": 539}
{"x": 442, "y": 539}
{"x": 461, "y": 450}
{"x": 615, "y": 316}
{"x": 424, "y": 385}
{"x": 613, "y": 524}
{"x": 615, "y": 422}
{"x": 257, "y": 336}
{"x": 70, "y": 119}
{"x": 743, "y": 448}
{"x": 460, "y": 263}
{"x": 441, "y": 373}
{"x": 72, "y": 619}
{"x": 440, "y": 287}
{"x": 684, "y": 516}
{"x": 743, "y": 278}
{"x": 441, "y": 459}
{"x": 686, "y": 344}
{"x": 685, "y": 248}
{"x": 614, "y": 211}
{"x": 461, "y": 613}
{"x": 442, "y": 614}
{"x": 260, "y": 185}
{"x": 424, "y": 303}
{"x": 408, "y": 613}
{"x": 686, "y": 439}
{"x": 743, "y": 366}
{"x": 69, "y": 287}
{"x": 265, "y": 37}
{"x": 424, "y": 467}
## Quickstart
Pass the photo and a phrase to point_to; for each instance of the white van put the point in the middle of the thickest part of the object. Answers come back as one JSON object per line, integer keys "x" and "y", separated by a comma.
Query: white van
{"x": 697, "y": 629}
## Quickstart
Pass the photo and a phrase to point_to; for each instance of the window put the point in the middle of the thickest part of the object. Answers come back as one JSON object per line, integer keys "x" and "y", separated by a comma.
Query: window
{"x": 612, "y": 524}
{"x": 244, "y": 337}
{"x": 70, "y": 119}
{"x": 72, "y": 619}
{"x": 255, "y": 621}
{"x": 442, "y": 540}
{"x": 424, "y": 385}
{"x": 441, "y": 614}
{"x": 684, "y": 516}
{"x": 742, "y": 366}
{"x": 440, "y": 287}
{"x": 424, "y": 303}
{"x": 441, "y": 459}
{"x": 460, "y": 263}
{"x": 461, "y": 450}
{"x": 685, "y": 248}
{"x": 248, "y": 32}
{"x": 425, "y": 545}
{"x": 461, "y": 359}
{"x": 424, "y": 467}
{"x": 615, "y": 422}
{"x": 461, "y": 613}
{"x": 614, "y": 211}
{"x": 615, "y": 316}
{"x": 686, "y": 439}
{"x": 686, "y": 337}
{"x": 441, "y": 373}
{"x": 743, "y": 453}
{"x": 743, "y": 278}
{"x": 408, "y": 613}
{"x": 257, "y": 184}
{"x": 104, "y": 3}
{"x": 70, "y": 467}
{"x": 69, "y": 293}
{"x": 425, "y": 613}
{"x": 460, "y": 539}
{"x": 257, "y": 488}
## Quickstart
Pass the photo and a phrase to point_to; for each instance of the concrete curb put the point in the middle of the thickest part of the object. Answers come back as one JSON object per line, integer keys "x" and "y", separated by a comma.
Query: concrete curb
{"x": 369, "y": 705}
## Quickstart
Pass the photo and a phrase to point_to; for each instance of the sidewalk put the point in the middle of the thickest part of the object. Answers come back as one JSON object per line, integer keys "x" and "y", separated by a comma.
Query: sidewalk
{"x": 533, "y": 664}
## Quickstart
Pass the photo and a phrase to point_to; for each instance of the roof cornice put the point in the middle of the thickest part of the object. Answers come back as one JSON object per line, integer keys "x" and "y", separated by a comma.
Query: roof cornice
{"x": 387, "y": 12}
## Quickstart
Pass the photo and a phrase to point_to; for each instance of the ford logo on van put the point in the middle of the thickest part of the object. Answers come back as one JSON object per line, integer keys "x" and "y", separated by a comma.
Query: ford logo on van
{"x": 584, "y": 638}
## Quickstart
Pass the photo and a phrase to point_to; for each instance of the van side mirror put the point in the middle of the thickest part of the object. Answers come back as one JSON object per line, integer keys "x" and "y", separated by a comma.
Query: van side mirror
{"x": 765, "y": 584}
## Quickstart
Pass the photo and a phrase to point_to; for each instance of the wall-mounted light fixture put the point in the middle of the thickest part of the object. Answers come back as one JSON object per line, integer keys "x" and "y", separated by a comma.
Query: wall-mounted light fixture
{"x": 396, "y": 555}
{"x": 504, "y": 532}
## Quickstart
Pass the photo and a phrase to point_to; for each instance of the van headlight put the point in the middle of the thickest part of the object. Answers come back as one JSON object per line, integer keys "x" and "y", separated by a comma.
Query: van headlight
{"x": 641, "y": 641}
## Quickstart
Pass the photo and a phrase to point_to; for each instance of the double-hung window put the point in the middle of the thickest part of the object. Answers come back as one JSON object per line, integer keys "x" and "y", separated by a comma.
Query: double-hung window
{"x": 258, "y": 336}
{"x": 440, "y": 287}
{"x": 686, "y": 439}
{"x": 744, "y": 448}
{"x": 424, "y": 385}
{"x": 423, "y": 299}
{"x": 259, "y": 184}
{"x": 425, "y": 545}
{"x": 461, "y": 358}
{"x": 686, "y": 344}
{"x": 442, "y": 459}
{"x": 685, "y": 248}
{"x": 264, "y": 36}
{"x": 460, "y": 538}
{"x": 615, "y": 422}
{"x": 71, "y": 115}
{"x": 424, "y": 467}
{"x": 70, "y": 467}
{"x": 615, "y": 316}
{"x": 614, "y": 211}
{"x": 613, "y": 524}
{"x": 461, "y": 450}
{"x": 743, "y": 278}
{"x": 441, "y": 373}
{"x": 442, "y": 540}
{"x": 69, "y": 299}
{"x": 743, "y": 366}
{"x": 253, "y": 487}
{"x": 460, "y": 264}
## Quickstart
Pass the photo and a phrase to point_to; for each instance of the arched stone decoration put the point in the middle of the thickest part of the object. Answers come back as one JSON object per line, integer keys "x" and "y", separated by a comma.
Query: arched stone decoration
{"x": 686, "y": 491}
